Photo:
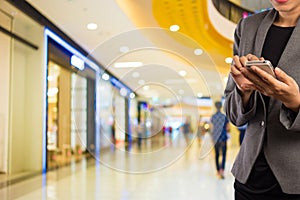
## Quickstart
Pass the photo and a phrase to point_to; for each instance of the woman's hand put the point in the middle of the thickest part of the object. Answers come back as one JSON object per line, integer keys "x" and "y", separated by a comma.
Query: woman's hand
{"x": 245, "y": 86}
{"x": 284, "y": 88}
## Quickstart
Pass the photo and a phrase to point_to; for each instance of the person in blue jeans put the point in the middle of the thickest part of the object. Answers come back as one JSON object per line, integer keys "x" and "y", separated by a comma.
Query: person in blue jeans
{"x": 220, "y": 126}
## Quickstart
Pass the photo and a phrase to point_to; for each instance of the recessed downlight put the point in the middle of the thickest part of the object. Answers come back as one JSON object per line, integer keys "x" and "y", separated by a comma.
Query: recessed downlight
{"x": 198, "y": 52}
{"x": 124, "y": 49}
{"x": 105, "y": 77}
{"x": 174, "y": 28}
{"x": 91, "y": 26}
{"x": 200, "y": 94}
{"x": 146, "y": 87}
{"x": 228, "y": 60}
{"x": 132, "y": 95}
{"x": 182, "y": 73}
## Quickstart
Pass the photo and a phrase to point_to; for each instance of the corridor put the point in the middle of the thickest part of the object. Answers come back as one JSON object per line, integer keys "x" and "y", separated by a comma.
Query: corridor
{"x": 191, "y": 175}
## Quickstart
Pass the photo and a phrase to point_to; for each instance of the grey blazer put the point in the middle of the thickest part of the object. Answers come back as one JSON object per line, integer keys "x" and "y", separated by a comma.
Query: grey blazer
{"x": 282, "y": 149}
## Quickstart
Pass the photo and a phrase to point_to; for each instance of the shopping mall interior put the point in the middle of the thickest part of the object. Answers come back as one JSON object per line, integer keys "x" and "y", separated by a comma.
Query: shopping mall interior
{"x": 96, "y": 96}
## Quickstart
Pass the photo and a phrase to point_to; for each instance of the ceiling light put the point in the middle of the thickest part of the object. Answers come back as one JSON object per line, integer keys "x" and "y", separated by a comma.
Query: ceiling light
{"x": 181, "y": 92}
{"x": 132, "y": 95}
{"x": 200, "y": 95}
{"x": 127, "y": 64}
{"x": 146, "y": 87}
{"x": 182, "y": 73}
{"x": 198, "y": 52}
{"x": 174, "y": 28}
{"x": 92, "y": 26}
{"x": 105, "y": 77}
{"x": 124, "y": 49}
{"x": 228, "y": 60}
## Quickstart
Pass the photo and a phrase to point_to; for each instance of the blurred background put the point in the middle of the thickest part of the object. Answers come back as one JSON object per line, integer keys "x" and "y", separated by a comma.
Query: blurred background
{"x": 104, "y": 89}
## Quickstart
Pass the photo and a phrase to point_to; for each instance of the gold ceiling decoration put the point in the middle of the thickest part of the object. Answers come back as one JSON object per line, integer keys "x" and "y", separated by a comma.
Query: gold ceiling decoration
{"x": 193, "y": 19}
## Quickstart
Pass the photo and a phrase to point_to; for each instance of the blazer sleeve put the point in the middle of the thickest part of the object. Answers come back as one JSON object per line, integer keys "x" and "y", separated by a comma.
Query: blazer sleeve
{"x": 289, "y": 119}
{"x": 233, "y": 106}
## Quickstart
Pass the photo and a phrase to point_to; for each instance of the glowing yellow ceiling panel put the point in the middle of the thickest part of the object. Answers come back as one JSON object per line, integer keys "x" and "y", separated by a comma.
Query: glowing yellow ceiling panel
{"x": 192, "y": 17}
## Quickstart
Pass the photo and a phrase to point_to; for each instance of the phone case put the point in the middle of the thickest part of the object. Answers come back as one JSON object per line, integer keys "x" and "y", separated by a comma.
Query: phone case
{"x": 265, "y": 65}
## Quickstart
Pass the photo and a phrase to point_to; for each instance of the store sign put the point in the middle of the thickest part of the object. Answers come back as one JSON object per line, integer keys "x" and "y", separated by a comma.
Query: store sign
{"x": 77, "y": 62}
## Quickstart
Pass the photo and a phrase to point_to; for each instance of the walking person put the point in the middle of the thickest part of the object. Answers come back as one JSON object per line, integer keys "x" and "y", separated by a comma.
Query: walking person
{"x": 267, "y": 165}
{"x": 140, "y": 133}
{"x": 220, "y": 125}
{"x": 187, "y": 129}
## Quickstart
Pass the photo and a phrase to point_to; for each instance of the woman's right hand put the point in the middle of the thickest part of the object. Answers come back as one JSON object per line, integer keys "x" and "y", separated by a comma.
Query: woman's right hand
{"x": 245, "y": 86}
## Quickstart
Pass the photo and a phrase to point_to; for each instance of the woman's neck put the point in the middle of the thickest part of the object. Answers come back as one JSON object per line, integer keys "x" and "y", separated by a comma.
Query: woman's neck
{"x": 287, "y": 19}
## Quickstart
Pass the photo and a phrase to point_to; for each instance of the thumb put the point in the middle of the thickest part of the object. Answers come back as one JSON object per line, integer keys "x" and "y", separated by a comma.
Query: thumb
{"x": 281, "y": 75}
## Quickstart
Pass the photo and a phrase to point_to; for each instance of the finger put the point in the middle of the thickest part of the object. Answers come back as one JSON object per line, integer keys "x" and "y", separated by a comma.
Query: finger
{"x": 251, "y": 57}
{"x": 265, "y": 76}
{"x": 282, "y": 76}
{"x": 243, "y": 60}
{"x": 255, "y": 78}
{"x": 234, "y": 70}
{"x": 249, "y": 74}
{"x": 236, "y": 62}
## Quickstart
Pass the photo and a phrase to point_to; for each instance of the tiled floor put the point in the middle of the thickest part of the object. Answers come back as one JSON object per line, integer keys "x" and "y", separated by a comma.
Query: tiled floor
{"x": 173, "y": 171}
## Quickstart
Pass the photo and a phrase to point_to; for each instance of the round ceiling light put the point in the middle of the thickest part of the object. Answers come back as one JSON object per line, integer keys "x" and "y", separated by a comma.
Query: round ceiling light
{"x": 182, "y": 73}
{"x": 92, "y": 26}
{"x": 198, "y": 52}
{"x": 174, "y": 28}
{"x": 228, "y": 60}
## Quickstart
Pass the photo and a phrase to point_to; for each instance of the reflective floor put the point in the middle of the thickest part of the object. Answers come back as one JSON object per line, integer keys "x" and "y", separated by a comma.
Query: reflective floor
{"x": 178, "y": 170}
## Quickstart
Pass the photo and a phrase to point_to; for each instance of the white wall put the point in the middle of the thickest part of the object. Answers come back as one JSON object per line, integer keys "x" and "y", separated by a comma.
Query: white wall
{"x": 4, "y": 92}
{"x": 26, "y": 99}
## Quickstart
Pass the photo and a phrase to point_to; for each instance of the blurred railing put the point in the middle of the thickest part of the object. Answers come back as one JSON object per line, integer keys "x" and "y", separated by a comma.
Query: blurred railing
{"x": 230, "y": 10}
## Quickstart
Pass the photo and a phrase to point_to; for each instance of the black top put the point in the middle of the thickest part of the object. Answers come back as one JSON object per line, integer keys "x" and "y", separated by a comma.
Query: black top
{"x": 275, "y": 43}
{"x": 262, "y": 179}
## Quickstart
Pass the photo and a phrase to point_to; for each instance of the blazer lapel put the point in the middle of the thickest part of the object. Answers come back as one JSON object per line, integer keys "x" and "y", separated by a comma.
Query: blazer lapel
{"x": 290, "y": 56}
{"x": 262, "y": 32}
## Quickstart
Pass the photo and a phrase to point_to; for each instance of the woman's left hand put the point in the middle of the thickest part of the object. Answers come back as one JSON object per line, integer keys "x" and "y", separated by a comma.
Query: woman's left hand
{"x": 284, "y": 88}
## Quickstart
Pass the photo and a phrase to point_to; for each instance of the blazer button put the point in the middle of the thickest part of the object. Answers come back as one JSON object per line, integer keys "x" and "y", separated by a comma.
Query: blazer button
{"x": 262, "y": 123}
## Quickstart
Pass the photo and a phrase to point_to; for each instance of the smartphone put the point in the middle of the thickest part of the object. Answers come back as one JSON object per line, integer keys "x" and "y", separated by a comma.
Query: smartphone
{"x": 265, "y": 65}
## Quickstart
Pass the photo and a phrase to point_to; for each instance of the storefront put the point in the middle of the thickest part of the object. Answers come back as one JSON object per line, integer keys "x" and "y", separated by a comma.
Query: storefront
{"x": 53, "y": 110}
{"x": 70, "y": 119}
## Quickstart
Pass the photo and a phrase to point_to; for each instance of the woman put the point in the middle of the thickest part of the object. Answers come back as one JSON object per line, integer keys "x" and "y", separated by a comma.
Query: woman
{"x": 268, "y": 164}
